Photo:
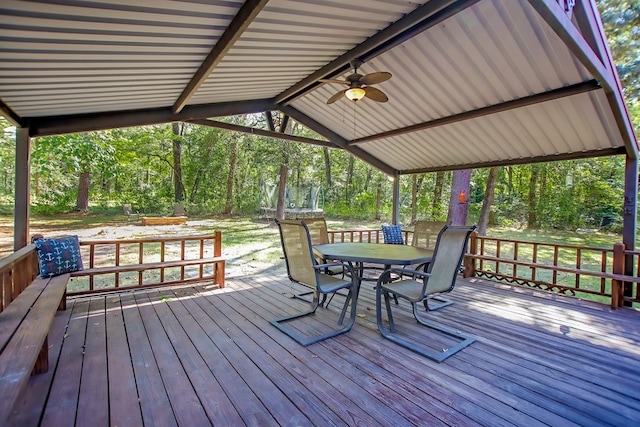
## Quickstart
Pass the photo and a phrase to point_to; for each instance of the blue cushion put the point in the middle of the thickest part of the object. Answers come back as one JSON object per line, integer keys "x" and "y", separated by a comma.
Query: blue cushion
{"x": 58, "y": 256}
{"x": 392, "y": 234}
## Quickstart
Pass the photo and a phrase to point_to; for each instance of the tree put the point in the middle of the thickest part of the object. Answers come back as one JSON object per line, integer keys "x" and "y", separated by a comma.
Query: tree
{"x": 178, "y": 185}
{"x": 487, "y": 201}
{"x": 76, "y": 154}
{"x": 459, "y": 201}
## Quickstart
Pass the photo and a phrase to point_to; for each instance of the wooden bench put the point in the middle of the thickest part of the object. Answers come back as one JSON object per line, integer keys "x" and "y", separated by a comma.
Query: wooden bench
{"x": 24, "y": 327}
{"x": 163, "y": 220}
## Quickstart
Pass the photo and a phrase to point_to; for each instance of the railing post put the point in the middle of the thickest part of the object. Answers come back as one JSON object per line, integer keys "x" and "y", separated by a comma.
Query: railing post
{"x": 470, "y": 263}
{"x": 618, "y": 268}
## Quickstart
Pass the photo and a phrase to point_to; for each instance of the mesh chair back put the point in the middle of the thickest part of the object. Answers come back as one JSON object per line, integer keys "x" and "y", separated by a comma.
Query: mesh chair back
{"x": 298, "y": 254}
{"x": 317, "y": 230}
{"x": 447, "y": 257}
{"x": 425, "y": 233}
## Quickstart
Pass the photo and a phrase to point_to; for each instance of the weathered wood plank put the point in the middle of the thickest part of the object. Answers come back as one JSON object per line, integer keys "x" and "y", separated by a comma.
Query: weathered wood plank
{"x": 94, "y": 387}
{"x": 216, "y": 403}
{"x": 63, "y": 400}
{"x": 276, "y": 402}
{"x": 522, "y": 370}
{"x": 124, "y": 407}
{"x": 185, "y": 403}
{"x": 154, "y": 401}
{"x": 205, "y": 335}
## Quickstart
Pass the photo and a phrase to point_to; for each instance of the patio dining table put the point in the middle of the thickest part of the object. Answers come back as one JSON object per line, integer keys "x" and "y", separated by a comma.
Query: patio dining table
{"x": 374, "y": 253}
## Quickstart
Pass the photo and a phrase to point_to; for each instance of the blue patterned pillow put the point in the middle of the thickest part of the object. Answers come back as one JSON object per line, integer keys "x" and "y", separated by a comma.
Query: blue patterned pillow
{"x": 392, "y": 234}
{"x": 58, "y": 256}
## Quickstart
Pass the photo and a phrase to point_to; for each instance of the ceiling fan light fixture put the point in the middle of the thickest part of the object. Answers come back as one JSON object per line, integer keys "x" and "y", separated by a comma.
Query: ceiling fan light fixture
{"x": 355, "y": 93}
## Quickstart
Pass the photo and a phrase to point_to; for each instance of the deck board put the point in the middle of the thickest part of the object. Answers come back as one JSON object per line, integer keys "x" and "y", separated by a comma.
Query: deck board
{"x": 196, "y": 355}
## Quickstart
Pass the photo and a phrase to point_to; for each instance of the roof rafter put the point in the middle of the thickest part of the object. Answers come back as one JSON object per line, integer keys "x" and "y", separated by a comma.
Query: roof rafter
{"x": 524, "y": 160}
{"x": 421, "y": 19}
{"x": 238, "y": 25}
{"x": 553, "y": 14}
{"x": 42, "y": 126}
{"x": 260, "y": 132}
{"x": 336, "y": 139}
{"x": 484, "y": 111}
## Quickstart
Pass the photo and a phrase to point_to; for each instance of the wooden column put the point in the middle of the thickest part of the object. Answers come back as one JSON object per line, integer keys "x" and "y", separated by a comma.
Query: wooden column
{"x": 629, "y": 221}
{"x": 22, "y": 189}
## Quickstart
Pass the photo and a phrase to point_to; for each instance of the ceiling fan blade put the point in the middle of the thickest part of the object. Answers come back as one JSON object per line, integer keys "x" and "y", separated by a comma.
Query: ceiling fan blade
{"x": 375, "y": 94}
{"x": 375, "y": 78}
{"x": 336, "y": 96}
{"x": 333, "y": 81}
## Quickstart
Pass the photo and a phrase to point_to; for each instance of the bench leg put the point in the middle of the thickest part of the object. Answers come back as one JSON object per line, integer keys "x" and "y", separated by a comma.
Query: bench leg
{"x": 42, "y": 362}
{"x": 63, "y": 302}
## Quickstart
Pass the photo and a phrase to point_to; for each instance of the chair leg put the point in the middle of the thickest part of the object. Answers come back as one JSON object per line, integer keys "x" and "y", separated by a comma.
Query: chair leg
{"x": 433, "y": 307}
{"x": 390, "y": 334}
{"x": 305, "y": 341}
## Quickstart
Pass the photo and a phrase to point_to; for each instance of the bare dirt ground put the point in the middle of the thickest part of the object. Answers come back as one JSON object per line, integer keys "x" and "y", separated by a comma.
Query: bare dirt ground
{"x": 257, "y": 256}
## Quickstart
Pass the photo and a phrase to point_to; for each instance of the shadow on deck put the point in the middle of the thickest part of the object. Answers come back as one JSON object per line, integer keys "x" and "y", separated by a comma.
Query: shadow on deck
{"x": 194, "y": 356}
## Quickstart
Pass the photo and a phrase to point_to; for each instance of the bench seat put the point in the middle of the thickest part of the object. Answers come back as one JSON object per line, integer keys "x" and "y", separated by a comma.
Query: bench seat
{"x": 24, "y": 326}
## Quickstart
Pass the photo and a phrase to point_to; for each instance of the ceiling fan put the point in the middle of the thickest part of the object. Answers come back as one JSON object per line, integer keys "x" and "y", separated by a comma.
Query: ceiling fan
{"x": 359, "y": 85}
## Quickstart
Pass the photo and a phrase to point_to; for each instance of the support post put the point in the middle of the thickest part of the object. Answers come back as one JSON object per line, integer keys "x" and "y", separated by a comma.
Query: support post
{"x": 396, "y": 199}
{"x": 470, "y": 263}
{"x": 618, "y": 268}
{"x": 22, "y": 189}
{"x": 629, "y": 221}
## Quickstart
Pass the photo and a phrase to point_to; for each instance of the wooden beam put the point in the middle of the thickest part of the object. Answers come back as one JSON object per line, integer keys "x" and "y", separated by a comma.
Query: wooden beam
{"x": 484, "y": 111}
{"x": 336, "y": 139}
{"x": 523, "y": 160}
{"x": 270, "y": 124}
{"x": 11, "y": 115}
{"x": 421, "y": 19}
{"x": 283, "y": 123}
{"x": 238, "y": 25}
{"x": 605, "y": 72}
{"x": 55, "y": 125}
{"x": 260, "y": 132}
{"x": 22, "y": 189}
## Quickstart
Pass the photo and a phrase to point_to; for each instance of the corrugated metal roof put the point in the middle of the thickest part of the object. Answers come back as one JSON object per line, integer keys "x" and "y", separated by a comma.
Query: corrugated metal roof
{"x": 81, "y": 58}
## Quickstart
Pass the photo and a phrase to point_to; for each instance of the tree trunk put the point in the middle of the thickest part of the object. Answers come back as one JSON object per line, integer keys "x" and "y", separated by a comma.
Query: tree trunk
{"x": 379, "y": 198}
{"x": 414, "y": 198}
{"x": 282, "y": 189}
{"x": 437, "y": 196}
{"x": 459, "y": 201}
{"x": 349, "y": 179}
{"x": 327, "y": 166}
{"x": 83, "y": 192}
{"x": 233, "y": 160}
{"x": 489, "y": 193}
{"x": 532, "y": 219}
{"x": 178, "y": 186}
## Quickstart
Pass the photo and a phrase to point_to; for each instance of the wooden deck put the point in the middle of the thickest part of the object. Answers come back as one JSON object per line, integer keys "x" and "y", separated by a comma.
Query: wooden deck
{"x": 193, "y": 356}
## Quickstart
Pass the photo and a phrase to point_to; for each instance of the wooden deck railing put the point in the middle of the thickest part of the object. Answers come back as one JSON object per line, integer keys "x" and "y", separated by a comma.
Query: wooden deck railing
{"x": 148, "y": 262}
{"x": 361, "y": 235}
{"x": 17, "y": 271}
{"x": 595, "y": 273}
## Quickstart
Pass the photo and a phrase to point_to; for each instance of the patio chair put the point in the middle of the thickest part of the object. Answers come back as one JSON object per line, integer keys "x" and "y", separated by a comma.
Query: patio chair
{"x": 128, "y": 212}
{"x": 303, "y": 268}
{"x": 438, "y": 278}
{"x": 425, "y": 235}
{"x": 319, "y": 236}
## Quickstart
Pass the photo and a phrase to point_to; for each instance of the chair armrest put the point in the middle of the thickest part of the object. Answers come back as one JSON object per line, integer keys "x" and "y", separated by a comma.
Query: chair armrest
{"x": 410, "y": 272}
{"x": 333, "y": 264}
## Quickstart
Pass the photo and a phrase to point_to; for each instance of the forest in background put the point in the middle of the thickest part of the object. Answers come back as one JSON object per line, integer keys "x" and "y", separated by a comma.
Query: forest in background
{"x": 213, "y": 171}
